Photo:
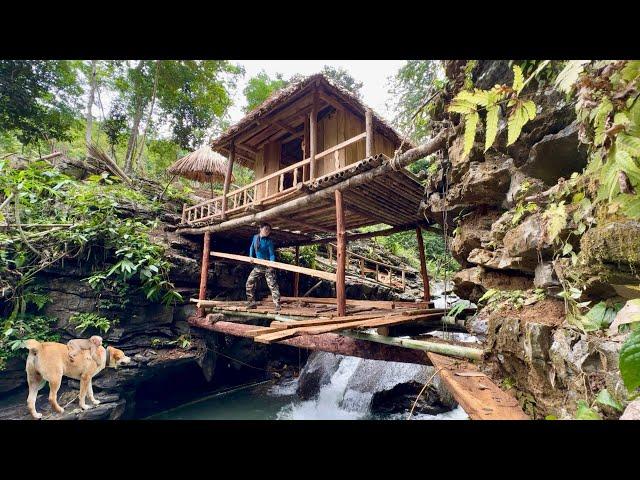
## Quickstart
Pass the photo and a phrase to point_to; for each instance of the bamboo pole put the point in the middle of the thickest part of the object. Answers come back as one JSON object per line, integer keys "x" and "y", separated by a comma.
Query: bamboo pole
{"x": 340, "y": 256}
{"x": 204, "y": 272}
{"x": 423, "y": 266}
{"x": 426, "y": 346}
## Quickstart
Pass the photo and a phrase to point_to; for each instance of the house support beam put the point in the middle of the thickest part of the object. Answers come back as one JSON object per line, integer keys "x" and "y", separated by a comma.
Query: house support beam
{"x": 340, "y": 256}
{"x": 204, "y": 271}
{"x": 423, "y": 266}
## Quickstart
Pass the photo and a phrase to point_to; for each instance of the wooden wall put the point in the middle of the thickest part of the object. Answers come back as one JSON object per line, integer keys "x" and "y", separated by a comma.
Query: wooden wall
{"x": 333, "y": 129}
{"x": 337, "y": 127}
{"x": 267, "y": 162}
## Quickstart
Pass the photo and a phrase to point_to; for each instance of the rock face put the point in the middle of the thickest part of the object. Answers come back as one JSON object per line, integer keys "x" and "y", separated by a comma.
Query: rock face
{"x": 494, "y": 203}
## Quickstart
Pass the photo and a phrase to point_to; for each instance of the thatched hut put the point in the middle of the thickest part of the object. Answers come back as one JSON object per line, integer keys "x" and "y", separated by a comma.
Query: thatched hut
{"x": 202, "y": 165}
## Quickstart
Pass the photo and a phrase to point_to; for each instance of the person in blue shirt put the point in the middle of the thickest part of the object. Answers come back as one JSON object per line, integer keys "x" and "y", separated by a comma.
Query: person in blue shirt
{"x": 262, "y": 247}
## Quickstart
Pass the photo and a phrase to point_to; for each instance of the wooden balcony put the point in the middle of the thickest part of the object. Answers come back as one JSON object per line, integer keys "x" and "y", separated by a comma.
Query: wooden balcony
{"x": 268, "y": 190}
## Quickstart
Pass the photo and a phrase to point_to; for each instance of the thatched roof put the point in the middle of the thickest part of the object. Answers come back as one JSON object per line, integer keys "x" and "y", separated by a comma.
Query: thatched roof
{"x": 279, "y": 100}
{"x": 203, "y": 165}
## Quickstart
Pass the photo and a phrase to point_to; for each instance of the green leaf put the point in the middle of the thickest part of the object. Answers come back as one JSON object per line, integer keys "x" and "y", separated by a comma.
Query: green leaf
{"x": 492, "y": 127}
{"x": 567, "y": 248}
{"x": 631, "y": 70}
{"x": 600, "y": 120}
{"x": 628, "y": 144}
{"x": 586, "y": 413}
{"x": 605, "y": 398}
{"x": 569, "y": 75}
{"x": 487, "y": 295}
{"x": 630, "y": 361}
{"x": 518, "y": 79}
{"x": 631, "y": 206}
{"x": 470, "y": 124}
{"x": 555, "y": 219}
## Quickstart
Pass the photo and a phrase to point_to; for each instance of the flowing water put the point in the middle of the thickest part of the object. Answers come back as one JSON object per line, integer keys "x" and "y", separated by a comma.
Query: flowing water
{"x": 346, "y": 394}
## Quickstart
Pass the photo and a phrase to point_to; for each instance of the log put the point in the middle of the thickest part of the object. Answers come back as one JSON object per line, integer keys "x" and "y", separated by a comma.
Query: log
{"x": 328, "y": 342}
{"x": 360, "y": 236}
{"x": 296, "y": 275}
{"x": 384, "y": 304}
{"x": 297, "y": 204}
{"x": 341, "y": 251}
{"x": 313, "y": 134}
{"x": 282, "y": 266}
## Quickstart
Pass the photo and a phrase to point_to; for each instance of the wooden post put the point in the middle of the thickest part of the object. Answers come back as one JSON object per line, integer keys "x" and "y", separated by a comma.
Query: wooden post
{"x": 423, "y": 265}
{"x": 184, "y": 213}
{"x": 227, "y": 179}
{"x": 296, "y": 276}
{"x": 204, "y": 272}
{"x": 313, "y": 135}
{"x": 368, "y": 118}
{"x": 341, "y": 304}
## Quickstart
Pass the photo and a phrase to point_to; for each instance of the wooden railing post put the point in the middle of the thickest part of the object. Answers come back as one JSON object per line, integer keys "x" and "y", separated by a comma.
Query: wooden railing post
{"x": 368, "y": 117}
{"x": 227, "y": 179}
{"x": 423, "y": 266}
{"x": 340, "y": 256}
{"x": 296, "y": 276}
{"x": 184, "y": 213}
{"x": 313, "y": 135}
{"x": 204, "y": 271}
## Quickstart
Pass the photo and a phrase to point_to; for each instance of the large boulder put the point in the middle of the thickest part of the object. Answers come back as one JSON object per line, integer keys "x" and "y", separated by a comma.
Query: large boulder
{"x": 472, "y": 283}
{"x": 473, "y": 231}
{"x": 556, "y": 155}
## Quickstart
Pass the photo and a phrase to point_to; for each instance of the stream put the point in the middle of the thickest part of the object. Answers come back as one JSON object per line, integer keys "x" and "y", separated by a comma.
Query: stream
{"x": 345, "y": 393}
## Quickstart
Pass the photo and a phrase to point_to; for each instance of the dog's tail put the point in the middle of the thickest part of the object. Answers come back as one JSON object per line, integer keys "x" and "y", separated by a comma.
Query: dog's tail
{"x": 32, "y": 345}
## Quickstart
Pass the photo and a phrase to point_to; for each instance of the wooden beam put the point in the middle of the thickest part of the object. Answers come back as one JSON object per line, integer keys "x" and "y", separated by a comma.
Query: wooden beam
{"x": 227, "y": 179}
{"x": 281, "y": 266}
{"x": 368, "y": 118}
{"x": 204, "y": 269}
{"x": 423, "y": 266}
{"x": 341, "y": 145}
{"x": 313, "y": 135}
{"x": 341, "y": 252}
{"x": 297, "y": 204}
{"x": 480, "y": 398}
{"x": 329, "y": 342}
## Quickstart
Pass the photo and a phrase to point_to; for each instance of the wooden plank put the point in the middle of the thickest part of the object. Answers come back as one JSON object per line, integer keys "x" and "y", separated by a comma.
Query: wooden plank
{"x": 474, "y": 391}
{"x": 339, "y": 146}
{"x": 384, "y": 304}
{"x": 368, "y": 132}
{"x": 316, "y": 330}
{"x": 282, "y": 266}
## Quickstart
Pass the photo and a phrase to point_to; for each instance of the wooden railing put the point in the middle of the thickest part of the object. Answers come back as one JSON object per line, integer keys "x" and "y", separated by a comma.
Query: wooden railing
{"x": 359, "y": 264}
{"x": 286, "y": 181}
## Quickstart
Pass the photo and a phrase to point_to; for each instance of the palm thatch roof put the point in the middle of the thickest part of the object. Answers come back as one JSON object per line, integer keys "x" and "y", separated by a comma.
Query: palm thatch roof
{"x": 203, "y": 165}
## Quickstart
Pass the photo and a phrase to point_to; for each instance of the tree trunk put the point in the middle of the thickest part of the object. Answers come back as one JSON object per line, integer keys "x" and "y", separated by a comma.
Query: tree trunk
{"x": 133, "y": 137}
{"x": 92, "y": 92}
{"x": 146, "y": 126}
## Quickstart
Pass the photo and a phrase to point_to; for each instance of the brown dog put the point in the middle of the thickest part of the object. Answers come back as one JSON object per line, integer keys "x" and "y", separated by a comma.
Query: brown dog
{"x": 49, "y": 361}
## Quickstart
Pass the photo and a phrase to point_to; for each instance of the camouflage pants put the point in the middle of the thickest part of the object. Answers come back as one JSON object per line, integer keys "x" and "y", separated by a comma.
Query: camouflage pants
{"x": 270, "y": 277}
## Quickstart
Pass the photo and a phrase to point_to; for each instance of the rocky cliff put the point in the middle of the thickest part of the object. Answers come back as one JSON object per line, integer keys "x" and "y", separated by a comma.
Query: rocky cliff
{"x": 493, "y": 202}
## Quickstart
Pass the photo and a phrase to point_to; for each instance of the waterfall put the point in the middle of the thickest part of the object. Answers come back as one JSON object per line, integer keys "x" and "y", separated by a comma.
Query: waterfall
{"x": 345, "y": 387}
